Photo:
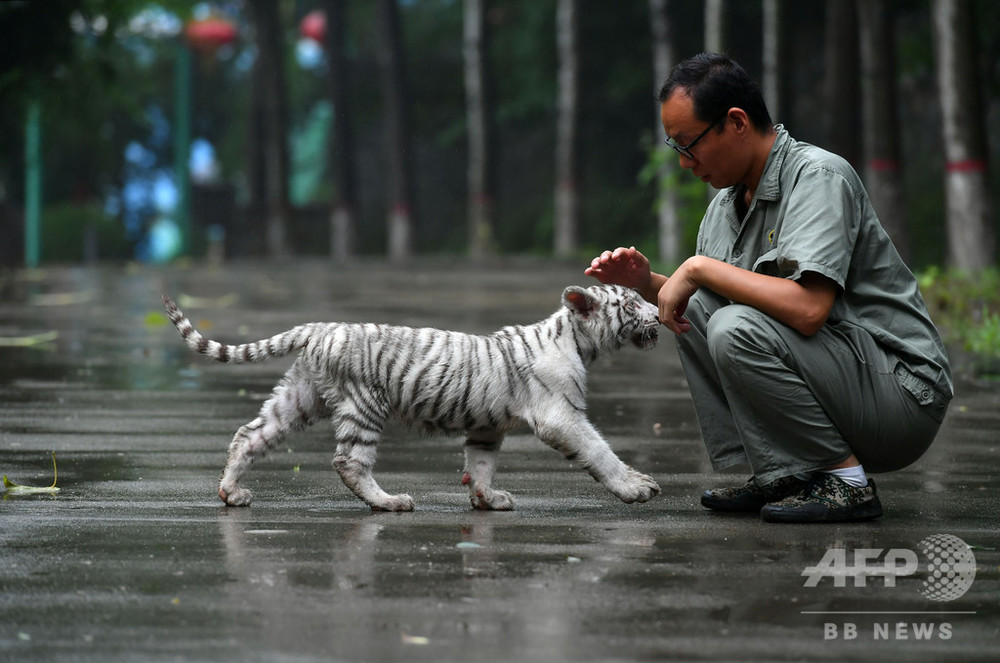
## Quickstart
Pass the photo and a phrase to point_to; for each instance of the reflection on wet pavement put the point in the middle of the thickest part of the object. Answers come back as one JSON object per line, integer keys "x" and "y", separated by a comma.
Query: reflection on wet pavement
{"x": 136, "y": 559}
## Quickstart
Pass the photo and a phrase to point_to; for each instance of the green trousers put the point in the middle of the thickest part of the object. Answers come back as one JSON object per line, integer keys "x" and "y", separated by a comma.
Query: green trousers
{"x": 787, "y": 403}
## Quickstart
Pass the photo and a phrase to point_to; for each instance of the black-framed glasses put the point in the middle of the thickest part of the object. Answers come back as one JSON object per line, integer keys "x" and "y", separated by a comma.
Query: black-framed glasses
{"x": 685, "y": 150}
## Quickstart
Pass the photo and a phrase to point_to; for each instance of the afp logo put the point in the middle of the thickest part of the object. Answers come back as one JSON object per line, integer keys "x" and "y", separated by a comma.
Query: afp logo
{"x": 948, "y": 563}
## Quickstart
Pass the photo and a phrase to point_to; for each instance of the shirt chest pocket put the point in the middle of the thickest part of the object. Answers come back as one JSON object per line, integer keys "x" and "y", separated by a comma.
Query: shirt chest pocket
{"x": 718, "y": 248}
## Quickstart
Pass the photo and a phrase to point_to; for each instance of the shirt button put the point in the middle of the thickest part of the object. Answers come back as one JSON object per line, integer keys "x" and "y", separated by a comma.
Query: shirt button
{"x": 736, "y": 254}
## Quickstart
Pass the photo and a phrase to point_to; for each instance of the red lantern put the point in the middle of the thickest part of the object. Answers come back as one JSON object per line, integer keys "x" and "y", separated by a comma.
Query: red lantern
{"x": 313, "y": 26}
{"x": 210, "y": 33}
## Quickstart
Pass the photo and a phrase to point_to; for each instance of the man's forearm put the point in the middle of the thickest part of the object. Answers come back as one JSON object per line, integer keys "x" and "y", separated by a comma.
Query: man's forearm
{"x": 651, "y": 292}
{"x": 803, "y": 304}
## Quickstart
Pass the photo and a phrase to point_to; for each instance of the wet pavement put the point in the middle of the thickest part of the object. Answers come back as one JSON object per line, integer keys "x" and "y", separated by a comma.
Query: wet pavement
{"x": 136, "y": 559}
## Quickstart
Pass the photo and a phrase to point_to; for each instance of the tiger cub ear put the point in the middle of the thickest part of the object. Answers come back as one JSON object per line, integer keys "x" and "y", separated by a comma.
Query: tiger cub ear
{"x": 580, "y": 301}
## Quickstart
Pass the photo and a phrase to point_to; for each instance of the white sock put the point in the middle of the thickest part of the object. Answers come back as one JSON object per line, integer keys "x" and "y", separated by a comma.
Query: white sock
{"x": 852, "y": 476}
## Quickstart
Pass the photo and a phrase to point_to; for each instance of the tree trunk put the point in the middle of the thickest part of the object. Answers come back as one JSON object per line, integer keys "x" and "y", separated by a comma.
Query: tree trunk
{"x": 567, "y": 109}
{"x": 971, "y": 243}
{"x": 772, "y": 57}
{"x": 715, "y": 26}
{"x": 843, "y": 89}
{"x": 715, "y": 42}
{"x": 397, "y": 113}
{"x": 254, "y": 227}
{"x": 881, "y": 120}
{"x": 669, "y": 227}
{"x": 270, "y": 76}
{"x": 479, "y": 114}
{"x": 342, "y": 213}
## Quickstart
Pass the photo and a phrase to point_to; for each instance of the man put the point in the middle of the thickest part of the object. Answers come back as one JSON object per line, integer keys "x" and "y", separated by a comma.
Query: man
{"x": 807, "y": 346}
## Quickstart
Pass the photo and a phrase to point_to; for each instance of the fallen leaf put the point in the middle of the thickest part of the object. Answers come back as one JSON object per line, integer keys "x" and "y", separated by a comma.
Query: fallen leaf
{"x": 62, "y": 298}
{"x": 156, "y": 319}
{"x": 17, "y": 489}
{"x": 28, "y": 341}
{"x": 188, "y": 301}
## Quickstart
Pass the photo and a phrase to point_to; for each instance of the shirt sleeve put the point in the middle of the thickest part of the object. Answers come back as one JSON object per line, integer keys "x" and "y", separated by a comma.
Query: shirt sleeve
{"x": 818, "y": 229}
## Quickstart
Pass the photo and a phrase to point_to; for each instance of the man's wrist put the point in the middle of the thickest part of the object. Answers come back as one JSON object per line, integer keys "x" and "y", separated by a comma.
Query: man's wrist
{"x": 652, "y": 290}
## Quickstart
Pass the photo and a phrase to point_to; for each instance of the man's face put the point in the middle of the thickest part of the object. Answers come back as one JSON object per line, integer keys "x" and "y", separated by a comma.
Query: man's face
{"x": 711, "y": 156}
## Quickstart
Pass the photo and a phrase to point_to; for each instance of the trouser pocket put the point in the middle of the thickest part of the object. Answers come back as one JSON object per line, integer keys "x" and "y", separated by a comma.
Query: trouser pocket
{"x": 922, "y": 391}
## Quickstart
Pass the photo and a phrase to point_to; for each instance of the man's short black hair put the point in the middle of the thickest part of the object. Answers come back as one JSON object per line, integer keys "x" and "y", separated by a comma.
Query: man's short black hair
{"x": 715, "y": 84}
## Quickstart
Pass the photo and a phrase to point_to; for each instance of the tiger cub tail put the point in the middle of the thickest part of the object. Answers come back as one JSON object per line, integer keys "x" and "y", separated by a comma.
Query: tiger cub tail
{"x": 258, "y": 351}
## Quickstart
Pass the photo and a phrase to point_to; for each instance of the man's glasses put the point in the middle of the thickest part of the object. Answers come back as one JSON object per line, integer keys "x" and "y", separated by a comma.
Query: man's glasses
{"x": 685, "y": 150}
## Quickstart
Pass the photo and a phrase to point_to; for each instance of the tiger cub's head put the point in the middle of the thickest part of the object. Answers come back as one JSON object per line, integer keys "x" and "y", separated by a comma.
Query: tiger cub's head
{"x": 613, "y": 315}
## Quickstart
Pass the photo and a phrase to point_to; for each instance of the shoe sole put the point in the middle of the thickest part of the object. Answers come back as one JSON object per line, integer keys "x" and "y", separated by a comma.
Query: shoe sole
{"x": 863, "y": 513}
{"x": 730, "y": 506}
{"x": 749, "y": 503}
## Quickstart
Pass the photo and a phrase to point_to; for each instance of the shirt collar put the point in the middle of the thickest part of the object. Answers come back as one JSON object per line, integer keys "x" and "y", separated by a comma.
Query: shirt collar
{"x": 769, "y": 187}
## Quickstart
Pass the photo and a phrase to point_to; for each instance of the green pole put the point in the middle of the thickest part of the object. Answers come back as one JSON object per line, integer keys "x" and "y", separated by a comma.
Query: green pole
{"x": 182, "y": 144}
{"x": 33, "y": 185}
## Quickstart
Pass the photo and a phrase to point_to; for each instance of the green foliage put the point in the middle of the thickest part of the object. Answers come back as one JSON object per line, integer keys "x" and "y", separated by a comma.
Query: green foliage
{"x": 525, "y": 81}
{"x": 100, "y": 83}
{"x": 986, "y": 341}
{"x": 68, "y": 227}
{"x": 691, "y": 192}
{"x": 966, "y": 308}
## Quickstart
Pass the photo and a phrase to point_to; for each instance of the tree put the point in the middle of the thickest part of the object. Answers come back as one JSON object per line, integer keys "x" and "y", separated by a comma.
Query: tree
{"x": 400, "y": 154}
{"x": 881, "y": 120}
{"x": 479, "y": 114}
{"x": 715, "y": 42}
{"x": 971, "y": 243}
{"x": 715, "y": 26}
{"x": 566, "y": 217}
{"x": 271, "y": 109}
{"x": 669, "y": 231}
{"x": 772, "y": 57}
{"x": 54, "y": 56}
{"x": 342, "y": 214}
{"x": 842, "y": 84}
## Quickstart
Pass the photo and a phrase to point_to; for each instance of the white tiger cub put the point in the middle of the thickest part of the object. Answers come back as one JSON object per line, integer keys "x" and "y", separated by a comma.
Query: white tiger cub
{"x": 360, "y": 374}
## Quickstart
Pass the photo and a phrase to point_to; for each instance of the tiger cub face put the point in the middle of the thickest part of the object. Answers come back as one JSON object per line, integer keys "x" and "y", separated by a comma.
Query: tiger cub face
{"x": 615, "y": 315}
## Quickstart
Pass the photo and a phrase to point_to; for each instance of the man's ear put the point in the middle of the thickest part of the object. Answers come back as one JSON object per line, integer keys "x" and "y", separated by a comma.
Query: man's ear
{"x": 580, "y": 301}
{"x": 740, "y": 120}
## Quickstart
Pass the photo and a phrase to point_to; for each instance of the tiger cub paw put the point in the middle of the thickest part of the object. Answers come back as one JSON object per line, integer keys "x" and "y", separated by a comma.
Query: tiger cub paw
{"x": 237, "y": 497}
{"x": 492, "y": 500}
{"x": 485, "y": 498}
{"x": 394, "y": 503}
{"x": 635, "y": 487}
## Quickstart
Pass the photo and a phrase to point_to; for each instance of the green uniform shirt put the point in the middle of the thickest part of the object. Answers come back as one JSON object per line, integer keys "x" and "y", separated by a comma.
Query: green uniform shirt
{"x": 811, "y": 213}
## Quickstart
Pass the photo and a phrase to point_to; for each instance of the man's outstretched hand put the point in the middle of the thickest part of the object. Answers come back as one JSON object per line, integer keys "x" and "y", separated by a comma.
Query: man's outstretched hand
{"x": 627, "y": 267}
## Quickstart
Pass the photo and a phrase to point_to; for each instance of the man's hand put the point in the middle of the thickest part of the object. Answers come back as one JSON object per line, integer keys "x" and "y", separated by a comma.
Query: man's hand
{"x": 672, "y": 299}
{"x": 627, "y": 267}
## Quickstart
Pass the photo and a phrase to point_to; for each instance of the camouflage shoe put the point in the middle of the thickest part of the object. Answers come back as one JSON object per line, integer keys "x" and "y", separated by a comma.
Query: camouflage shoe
{"x": 751, "y": 496}
{"x": 826, "y": 499}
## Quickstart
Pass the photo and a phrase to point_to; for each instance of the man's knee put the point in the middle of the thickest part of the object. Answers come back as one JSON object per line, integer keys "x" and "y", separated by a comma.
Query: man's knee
{"x": 702, "y": 306}
{"x": 735, "y": 329}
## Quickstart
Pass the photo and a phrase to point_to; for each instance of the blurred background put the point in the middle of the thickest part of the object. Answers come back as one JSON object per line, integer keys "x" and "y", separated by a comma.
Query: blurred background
{"x": 133, "y": 130}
